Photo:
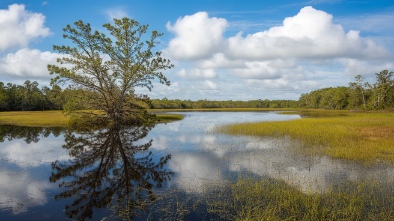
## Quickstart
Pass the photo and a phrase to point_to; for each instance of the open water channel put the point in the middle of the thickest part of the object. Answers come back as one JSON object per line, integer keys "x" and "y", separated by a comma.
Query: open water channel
{"x": 55, "y": 174}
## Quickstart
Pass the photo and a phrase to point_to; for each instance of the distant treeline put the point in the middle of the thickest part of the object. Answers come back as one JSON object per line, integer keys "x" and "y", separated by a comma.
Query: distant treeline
{"x": 30, "y": 97}
{"x": 358, "y": 95}
{"x": 188, "y": 104}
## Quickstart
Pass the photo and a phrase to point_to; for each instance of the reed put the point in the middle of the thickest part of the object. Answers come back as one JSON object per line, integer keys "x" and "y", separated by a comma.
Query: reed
{"x": 270, "y": 199}
{"x": 361, "y": 136}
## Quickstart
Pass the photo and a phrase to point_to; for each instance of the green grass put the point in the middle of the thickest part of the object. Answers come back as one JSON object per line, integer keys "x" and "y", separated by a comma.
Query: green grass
{"x": 361, "y": 136}
{"x": 56, "y": 118}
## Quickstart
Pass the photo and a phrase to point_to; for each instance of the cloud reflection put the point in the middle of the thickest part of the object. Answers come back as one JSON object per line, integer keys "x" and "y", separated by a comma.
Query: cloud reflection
{"x": 19, "y": 191}
{"x": 207, "y": 158}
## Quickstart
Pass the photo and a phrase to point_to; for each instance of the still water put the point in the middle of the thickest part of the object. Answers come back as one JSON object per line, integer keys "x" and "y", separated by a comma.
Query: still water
{"x": 56, "y": 174}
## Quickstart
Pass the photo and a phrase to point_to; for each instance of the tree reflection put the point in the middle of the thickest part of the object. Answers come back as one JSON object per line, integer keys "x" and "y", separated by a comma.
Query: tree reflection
{"x": 28, "y": 134}
{"x": 108, "y": 169}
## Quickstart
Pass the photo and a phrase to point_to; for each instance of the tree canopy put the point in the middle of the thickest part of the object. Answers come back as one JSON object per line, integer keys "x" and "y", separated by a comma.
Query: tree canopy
{"x": 109, "y": 69}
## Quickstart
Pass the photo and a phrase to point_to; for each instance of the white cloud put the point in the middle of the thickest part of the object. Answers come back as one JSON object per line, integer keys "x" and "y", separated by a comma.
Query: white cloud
{"x": 196, "y": 73}
{"x": 309, "y": 34}
{"x": 117, "y": 12}
{"x": 211, "y": 85}
{"x": 220, "y": 60}
{"x": 19, "y": 27}
{"x": 355, "y": 67}
{"x": 197, "y": 36}
{"x": 30, "y": 63}
{"x": 306, "y": 52}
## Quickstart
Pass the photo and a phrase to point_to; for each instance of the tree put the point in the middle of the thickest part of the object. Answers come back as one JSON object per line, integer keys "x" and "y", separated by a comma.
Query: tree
{"x": 358, "y": 92}
{"x": 110, "y": 68}
{"x": 383, "y": 90}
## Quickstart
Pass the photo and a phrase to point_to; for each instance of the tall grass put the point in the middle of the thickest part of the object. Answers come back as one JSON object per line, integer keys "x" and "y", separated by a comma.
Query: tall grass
{"x": 269, "y": 199}
{"x": 366, "y": 137}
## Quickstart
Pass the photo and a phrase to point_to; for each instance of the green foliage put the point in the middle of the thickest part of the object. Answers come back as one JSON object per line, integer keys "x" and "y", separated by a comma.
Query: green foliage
{"x": 358, "y": 95}
{"x": 29, "y": 97}
{"x": 110, "y": 68}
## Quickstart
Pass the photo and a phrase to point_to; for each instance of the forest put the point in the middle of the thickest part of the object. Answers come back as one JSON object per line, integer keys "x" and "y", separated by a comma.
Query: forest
{"x": 358, "y": 95}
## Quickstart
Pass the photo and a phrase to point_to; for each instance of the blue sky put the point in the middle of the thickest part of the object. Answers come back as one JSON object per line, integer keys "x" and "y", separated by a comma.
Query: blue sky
{"x": 222, "y": 49}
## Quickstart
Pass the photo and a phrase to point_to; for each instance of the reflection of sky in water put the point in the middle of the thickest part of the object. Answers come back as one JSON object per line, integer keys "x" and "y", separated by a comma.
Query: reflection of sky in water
{"x": 22, "y": 181}
{"x": 19, "y": 191}
{"x": 201, "y": 158}
{"x": 34, "y": 154}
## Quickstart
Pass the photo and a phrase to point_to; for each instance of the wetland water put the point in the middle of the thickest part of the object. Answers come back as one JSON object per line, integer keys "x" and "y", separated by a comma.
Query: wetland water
{"x": 120, "y": 172}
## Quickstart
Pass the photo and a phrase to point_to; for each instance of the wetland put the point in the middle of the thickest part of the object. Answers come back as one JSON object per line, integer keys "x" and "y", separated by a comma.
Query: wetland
{"x": 188, "y": 169}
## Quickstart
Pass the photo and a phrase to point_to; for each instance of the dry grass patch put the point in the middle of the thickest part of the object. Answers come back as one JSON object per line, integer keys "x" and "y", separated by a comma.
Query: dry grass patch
{"x": 34, "y": 118}
{"x": 57, "y": 118}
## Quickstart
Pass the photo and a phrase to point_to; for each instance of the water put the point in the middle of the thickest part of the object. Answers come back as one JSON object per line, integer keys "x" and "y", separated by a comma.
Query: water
{"x": 123, "y": 171}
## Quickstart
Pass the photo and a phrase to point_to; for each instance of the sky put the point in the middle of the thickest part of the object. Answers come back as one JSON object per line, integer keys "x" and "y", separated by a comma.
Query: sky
{"x": 221, "y": 49}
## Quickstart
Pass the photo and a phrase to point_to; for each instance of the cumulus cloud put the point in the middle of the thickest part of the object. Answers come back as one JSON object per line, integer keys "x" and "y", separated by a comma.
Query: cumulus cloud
{"x": 309, "y": 34}
{"x": 307, "y": 51}
{"x": 27, "y": 63}
{"x": 196, "y": 73}
{"x": 197, "y": 36}
{"x": 19, "y": 27}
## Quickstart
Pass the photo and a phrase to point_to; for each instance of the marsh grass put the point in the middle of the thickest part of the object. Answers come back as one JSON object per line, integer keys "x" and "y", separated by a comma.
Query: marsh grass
{"x": 165, "y": 118}
{"x": 269, "y": 199}
{"x": 34, "y": 118}
{"x": 366, "y": 137}
{"x": 56, "y": 118}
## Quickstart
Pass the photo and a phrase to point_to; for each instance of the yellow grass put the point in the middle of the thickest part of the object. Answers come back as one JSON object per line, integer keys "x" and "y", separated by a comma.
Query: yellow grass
{"x": 55, "y": 118}
{"x": 34, "y": 118}
{"x": 367, "y": 137}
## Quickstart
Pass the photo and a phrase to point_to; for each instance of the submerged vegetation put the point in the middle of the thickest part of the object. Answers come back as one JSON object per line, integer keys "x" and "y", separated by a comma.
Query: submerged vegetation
{"x": 362, "y": 136}
{"x": 269, "y": 199}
